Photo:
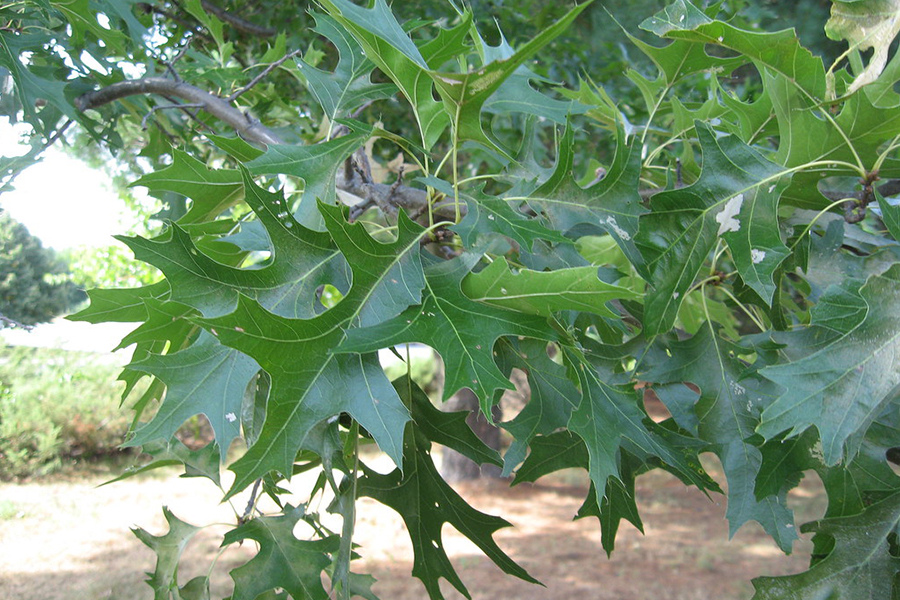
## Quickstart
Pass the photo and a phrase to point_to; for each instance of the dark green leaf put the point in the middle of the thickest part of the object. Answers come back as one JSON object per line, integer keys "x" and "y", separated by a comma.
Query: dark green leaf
{"x": 461, "y": 330}
{"x": 283, "y": 561}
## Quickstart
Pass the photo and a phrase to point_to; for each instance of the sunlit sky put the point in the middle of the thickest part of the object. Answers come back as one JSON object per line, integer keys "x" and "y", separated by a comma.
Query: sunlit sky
{"x": 61, "y": 200}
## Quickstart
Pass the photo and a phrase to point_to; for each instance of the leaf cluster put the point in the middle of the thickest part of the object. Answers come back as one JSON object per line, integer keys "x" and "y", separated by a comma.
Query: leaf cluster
{"x": 728, "y": 255}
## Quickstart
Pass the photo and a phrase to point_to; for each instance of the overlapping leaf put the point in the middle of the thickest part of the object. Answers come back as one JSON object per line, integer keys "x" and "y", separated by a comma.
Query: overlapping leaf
{"x": 390, "y": 48}
{"x": 168, "y": 549}
{"x": 120, "y": 305}
{"x": 851, "y": 487}
{"x": 610, "y": 418}
{"x": 463, "y": 331}
{"x": 862, "y": 565}
{"x": 678, "y": 235}
{"x": 613, "y": 204}
{"x": 842, "y": 387}
{"x": 563, "y": 450}
{"x": 283, "y": 561}
{"x": 780, "y": 51}
{"x": 316, "y": 165}
{"x": 302, "y": 260}
{"x": 553, "y": 396}
{"x": 465, "y": 94}
{"x": 726, "y": 414}
{"x": 544, "y": 292}
{"x": 349, "y": 85}
{"x": 309, "y": 384}
{"x": 212, "y": 191}
{"x": 492, "y": 216}
{"x": 425, "y": 502}
{"x": 206, "y": 378}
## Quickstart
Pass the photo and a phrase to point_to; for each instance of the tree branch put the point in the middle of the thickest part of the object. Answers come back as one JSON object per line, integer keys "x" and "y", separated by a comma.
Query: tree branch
{"x": 888, "y": 188}
{"x": 237, "y": 22}
{"x": 415, "y": 201}
{"x": 248, "y": 128}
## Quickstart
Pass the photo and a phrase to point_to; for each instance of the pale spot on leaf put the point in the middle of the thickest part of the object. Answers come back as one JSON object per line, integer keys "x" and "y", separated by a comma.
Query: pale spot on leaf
{"x": 727, "y": 218}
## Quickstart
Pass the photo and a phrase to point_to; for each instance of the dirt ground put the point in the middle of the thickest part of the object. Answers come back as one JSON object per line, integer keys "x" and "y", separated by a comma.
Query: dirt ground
{"x": 65, "y": 538}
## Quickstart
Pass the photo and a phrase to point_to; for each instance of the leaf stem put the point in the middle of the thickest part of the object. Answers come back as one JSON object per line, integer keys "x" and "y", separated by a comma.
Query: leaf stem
{"x": 746, "y": 310}
{"x": 816, "y": 218}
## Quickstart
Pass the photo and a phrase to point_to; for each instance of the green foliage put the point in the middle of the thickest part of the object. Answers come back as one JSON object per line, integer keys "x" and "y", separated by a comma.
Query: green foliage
{"x": 711, "y": 226}
{"x": 107, "y": 267}
{"x": 34, "y": 287}
{"x": 56, "y": 405}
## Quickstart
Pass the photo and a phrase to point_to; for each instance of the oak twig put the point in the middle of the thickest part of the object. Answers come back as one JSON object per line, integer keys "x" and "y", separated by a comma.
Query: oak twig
{"x": 262, "y": 75}
{"x": 388, "y": 197}
{"x": 237, "y": 22}
{"x": 166, "y": 107}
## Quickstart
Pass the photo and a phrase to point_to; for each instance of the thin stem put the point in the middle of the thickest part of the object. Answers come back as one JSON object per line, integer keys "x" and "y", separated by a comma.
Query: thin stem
{"x": 476, "y": 178}
{"x": 746, "y": 310}
{"x": 816, "y": 218}
{"x": 262, "y": 75}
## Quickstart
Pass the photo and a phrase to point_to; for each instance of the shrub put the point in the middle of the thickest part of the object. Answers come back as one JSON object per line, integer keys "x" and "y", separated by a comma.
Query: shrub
{"x": 56, "y": 405}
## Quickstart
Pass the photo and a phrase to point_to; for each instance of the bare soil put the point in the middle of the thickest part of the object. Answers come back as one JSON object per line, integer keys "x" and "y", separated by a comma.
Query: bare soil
{"x": 65, "y": 538}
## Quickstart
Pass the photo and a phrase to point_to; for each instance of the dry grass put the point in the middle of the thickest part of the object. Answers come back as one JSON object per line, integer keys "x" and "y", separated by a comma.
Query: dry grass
{"x": 67, "y": 539}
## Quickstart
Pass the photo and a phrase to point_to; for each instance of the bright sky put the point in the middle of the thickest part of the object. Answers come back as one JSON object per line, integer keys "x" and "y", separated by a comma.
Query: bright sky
{"x": 61, "y": 200}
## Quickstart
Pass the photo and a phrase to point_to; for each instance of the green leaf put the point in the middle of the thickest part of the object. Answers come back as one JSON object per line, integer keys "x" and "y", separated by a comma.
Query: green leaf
{"x": 544, "y": 292}
{"x": 515, "y": 94}
{"x": 489, "y": 215}
{"x": 550, "y": 453}
{"x": 121, "y": 305}
{"x": 283, "y": 561}
{"x": 212, "y": 191}
{"x": 613, "y": 203}
{"x": 168, "y": 549}
{"x": 610, "y": 417}
{"x": 553, "y": 396}
{"x": 680, "y": 59}
{"x": 727, "y": 412}
{"x": 316, "y": 165}
{"x": 349, "y": 85}
{"x": 236, "y": 147}
{"x": 197, "y": 463}
{"x": 310, "y": 385}
{"x": 461, "y": 330}
{"x": 862, "y": 564}
{"x": 842, "y": 387}
{"x": 865, "y": 24}
{"x": 890, "y": 214}
{"x": 83, "y": 19}
{"x": 757, "y": 248}
{"x": 206, "y": 378}
{"x": 563, "y": 450}
{"x": 850, "y": 487}
{"x": 464, "y": 94}
{"x": 165, "y": 321}
{"x": 856, "y": 136}
{"x": 388, "y": 46}
{"x": 446, "y": 429}
{"x": 779, "y": 52}
{"x": 678, "y": 235}
{"x": 616, "y": 504}
{"x": 425, "y": 502}
{"x": 302, "y": 260}
{"x": 29, "y": 87}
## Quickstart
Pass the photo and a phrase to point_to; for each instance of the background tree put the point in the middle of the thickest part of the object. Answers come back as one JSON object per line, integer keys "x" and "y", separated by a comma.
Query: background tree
{"x": 34, "y": 282}
{"x": 712, "y": 229}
